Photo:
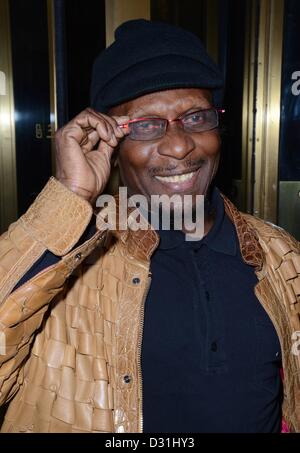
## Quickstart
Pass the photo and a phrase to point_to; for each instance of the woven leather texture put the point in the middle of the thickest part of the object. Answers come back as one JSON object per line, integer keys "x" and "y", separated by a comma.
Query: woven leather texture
{"x": 57, "y": 218}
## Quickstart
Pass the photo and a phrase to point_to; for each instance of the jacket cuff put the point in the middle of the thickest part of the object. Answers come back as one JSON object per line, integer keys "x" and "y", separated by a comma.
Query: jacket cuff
{"x": 57, "y": 218}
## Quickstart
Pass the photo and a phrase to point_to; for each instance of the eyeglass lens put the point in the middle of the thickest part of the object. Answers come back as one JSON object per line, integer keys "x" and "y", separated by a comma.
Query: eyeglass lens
{"x": 152, "y": 128}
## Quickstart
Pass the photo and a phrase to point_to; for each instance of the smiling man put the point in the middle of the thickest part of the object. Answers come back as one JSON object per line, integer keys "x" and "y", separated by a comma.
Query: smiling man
{"x": 140, "y": 330}
{"x": 179, "y": 136}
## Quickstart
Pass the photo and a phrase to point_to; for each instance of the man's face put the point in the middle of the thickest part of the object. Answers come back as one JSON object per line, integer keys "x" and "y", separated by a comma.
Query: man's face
{"x": 146, "y": 166}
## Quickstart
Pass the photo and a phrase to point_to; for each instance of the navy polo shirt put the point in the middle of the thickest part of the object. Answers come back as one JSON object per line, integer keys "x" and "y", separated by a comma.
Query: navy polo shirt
{"x": 210, "y": 354}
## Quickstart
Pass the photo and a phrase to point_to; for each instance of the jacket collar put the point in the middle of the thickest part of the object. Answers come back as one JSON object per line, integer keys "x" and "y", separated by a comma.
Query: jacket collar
{"x": 142, "y": 243}
{"x": 251, "y": 249}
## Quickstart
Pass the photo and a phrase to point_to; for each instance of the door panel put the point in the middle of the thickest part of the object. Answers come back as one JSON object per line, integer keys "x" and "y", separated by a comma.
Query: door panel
{"x": 289, "y": 161}
{"x": 29, "y": 37}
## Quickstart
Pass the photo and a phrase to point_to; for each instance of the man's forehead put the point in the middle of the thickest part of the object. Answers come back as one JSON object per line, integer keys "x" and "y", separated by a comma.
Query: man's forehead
{"x": 163, "y": 101}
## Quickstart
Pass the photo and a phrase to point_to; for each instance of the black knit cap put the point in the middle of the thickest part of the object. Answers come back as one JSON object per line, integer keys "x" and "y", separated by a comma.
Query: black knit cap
{"x": 149, "y": 56}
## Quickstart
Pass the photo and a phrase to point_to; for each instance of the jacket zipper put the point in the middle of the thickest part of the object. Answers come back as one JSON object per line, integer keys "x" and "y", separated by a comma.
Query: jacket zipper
{"x": 140, "y": 339}
{"x": 274, "y": 322}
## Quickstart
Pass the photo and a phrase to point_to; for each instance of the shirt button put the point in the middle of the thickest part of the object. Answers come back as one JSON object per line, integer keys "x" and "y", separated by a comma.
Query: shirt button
{"x": 214, "y": 346}
{"x": 135, "y": 280}
{"x": 127, "y": 379}
{"x": 78, "y": 256}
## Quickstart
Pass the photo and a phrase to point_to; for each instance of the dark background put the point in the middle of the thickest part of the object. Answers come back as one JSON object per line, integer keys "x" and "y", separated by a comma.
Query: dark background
{"x": 29, "y": 37}
{"x": 80, "y": 36}
{"x": 289, "y": 165}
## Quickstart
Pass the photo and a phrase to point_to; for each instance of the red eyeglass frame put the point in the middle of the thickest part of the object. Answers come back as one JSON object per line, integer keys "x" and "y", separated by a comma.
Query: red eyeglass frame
{"x": 135, "y": 120}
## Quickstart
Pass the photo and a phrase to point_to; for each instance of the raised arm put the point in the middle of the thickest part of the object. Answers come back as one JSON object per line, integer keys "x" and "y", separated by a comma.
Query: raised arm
{"x": 41, "y": 249}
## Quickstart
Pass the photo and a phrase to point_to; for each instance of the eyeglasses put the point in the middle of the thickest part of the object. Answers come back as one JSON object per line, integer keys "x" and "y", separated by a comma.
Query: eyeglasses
{"x": 154, "y": 128}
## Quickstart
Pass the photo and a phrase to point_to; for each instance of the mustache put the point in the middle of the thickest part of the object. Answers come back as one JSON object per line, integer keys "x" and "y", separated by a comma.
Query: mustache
{"x": 186, "y": 165}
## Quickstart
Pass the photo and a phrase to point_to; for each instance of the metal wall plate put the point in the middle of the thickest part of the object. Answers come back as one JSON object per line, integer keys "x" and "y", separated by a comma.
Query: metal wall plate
{"x": 8, "y": 180}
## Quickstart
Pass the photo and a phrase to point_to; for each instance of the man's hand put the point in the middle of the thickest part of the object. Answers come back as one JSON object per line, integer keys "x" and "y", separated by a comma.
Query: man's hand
{"x": 80, "y": 166}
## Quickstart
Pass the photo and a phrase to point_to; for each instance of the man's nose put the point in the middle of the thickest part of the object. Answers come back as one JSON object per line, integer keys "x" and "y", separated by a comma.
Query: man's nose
{"x": 176, "y": 143}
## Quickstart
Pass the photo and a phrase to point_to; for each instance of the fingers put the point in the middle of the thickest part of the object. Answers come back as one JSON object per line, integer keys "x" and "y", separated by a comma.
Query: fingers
{"x": 115, "y": 121}
{"x": 90, "y": 127}
{"x": 106, "y": 127}
{"x": 90, "y": 141}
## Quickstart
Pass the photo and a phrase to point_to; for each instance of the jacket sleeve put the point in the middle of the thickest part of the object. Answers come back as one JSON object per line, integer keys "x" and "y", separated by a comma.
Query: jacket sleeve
{"x": 55, "y": 222}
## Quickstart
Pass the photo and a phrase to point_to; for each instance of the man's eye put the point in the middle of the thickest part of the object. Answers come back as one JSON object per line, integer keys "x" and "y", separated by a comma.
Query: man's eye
{"x": 198, "y": 117}
{"x": 146, "y": 125}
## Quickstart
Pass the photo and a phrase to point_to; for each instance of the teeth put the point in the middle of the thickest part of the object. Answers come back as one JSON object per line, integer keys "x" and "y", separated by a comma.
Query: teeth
{"x": 176, "y": 178}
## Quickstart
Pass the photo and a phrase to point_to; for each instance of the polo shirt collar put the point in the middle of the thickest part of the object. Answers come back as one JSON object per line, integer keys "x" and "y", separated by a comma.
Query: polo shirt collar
{"x": 221, "y": 237}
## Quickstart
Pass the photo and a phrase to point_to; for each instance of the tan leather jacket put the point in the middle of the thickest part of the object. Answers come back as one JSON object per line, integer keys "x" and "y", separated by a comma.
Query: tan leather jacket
{"x": 73, "y": 332}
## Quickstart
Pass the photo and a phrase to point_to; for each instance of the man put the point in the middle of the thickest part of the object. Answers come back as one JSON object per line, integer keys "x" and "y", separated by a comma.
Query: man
{"x": 125, "y": 331}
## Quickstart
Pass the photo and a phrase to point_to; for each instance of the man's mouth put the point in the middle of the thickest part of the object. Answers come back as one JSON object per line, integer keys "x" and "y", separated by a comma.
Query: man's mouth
{"x": 176, "y": 178}
{"x": 180, "y": 182}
